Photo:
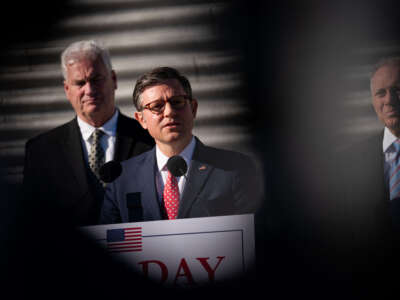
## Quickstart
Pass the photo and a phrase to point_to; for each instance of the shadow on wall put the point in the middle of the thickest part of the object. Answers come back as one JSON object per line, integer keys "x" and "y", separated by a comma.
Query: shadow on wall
{"x": 181, "y": 34}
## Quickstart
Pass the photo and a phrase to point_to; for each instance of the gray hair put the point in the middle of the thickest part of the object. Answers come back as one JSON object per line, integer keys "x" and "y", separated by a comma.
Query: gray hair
{"x": 390, "y": 60}
{"x": 84, "y": 49}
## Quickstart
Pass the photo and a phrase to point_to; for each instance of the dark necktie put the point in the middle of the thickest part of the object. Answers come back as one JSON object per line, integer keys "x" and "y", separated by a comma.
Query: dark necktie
{"x": 96, "y": 155}
{"x": 171, "y": 196}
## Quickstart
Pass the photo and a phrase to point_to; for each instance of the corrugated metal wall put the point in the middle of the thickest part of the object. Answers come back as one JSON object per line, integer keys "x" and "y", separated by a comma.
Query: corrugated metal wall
{"x": 140, "y": 35}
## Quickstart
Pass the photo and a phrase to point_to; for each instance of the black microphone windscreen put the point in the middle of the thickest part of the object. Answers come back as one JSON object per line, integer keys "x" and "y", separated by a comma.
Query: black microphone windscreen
{"x": 177, "y": 165}
{"x": 110, "y": 171}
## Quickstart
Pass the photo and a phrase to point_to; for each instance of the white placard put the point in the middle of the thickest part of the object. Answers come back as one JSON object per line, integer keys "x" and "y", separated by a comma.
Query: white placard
{"x": 183, "y": 252}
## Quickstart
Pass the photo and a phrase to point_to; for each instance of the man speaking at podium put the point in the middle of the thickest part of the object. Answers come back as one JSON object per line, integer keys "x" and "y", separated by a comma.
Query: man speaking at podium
{"x": 207, "y": 181}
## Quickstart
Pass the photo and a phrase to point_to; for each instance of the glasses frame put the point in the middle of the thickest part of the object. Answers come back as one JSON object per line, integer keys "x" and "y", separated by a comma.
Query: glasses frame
{"x": 186, "y": 97}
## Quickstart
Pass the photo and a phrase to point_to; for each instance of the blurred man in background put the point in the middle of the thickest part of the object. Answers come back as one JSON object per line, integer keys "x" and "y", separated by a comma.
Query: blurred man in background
{"x": 62, "y": 165}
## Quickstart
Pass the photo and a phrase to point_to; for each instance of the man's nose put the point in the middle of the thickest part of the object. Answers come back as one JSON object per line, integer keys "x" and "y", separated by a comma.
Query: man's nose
{"x": 89, "y": 88}
{"x": 169, "y": 110}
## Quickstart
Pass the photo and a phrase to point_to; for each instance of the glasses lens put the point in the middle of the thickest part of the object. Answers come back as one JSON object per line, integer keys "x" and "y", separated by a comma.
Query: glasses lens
{"x": 156, "y": 106}
{"x": 177, "y": 102}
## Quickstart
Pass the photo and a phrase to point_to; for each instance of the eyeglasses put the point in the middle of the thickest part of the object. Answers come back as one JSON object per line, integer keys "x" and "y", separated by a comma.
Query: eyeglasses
{"x": 177, "y": 102}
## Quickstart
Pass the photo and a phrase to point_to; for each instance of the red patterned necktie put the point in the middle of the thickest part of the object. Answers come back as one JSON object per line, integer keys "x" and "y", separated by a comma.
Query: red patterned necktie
{"x": 171, "y": 196}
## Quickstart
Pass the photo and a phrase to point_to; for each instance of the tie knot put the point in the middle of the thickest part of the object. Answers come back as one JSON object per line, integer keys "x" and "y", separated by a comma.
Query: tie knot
{"x": 171, "y": 177}
{"x": 96, "y": 135}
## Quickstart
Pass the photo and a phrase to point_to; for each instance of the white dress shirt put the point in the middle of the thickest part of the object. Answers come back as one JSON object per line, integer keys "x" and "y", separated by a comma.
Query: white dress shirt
{"x": 107, "y": 141}
{"x": 389, "y": 152}
{"x": 162, "y": 173}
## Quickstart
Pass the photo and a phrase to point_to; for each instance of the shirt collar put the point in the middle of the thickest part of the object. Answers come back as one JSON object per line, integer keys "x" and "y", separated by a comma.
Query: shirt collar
{"x": 187, "y": 154}
{"x": 388, "y": 139}
{"x": 109, "y": 127}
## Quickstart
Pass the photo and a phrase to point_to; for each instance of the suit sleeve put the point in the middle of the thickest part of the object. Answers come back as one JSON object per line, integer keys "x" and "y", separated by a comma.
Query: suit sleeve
{"x": 110, "y": 212}
{"x": 35, "y": 190}
{"x": 247, "y": 186}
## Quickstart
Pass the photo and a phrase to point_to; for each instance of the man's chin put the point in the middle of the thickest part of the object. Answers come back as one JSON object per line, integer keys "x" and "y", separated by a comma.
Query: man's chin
{"x": 92, "y": 106}
{"x": 393, "y": 124}
{"x": 93, "y": 110}
{"x": 173, "y": 137}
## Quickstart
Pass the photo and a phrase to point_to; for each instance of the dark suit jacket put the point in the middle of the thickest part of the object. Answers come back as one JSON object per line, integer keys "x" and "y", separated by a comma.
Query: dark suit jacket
{"x": 362, "y": 198}
{"x": 56, "y": 175}
{"x": 384, "y": 207}
{"x": 371, "y": 218}
{"x": 219, "y": 182}
{"x": 360, "y": 189}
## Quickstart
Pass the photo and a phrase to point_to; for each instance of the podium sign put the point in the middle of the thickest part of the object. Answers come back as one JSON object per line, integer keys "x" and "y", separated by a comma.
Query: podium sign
{"x": 183, "y": 252}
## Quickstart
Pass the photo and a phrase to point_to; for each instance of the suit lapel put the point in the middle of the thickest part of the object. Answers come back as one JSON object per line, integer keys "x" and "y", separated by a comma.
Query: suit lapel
{"x": 384, "y": 185}
{"x": 198, "y": 174}
{"x": 73, "y": 154}
{"x": 124, "y": 142}
{"x": 150, "y": 204}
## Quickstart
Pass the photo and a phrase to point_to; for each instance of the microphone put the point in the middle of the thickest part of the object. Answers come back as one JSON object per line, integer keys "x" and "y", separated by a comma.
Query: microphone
{"x": 177, "y": 166}
{"x": 110, "y": 171}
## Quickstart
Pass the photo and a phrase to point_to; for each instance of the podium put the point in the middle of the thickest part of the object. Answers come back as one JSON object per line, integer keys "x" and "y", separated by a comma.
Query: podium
{"x": 183, "y": 252}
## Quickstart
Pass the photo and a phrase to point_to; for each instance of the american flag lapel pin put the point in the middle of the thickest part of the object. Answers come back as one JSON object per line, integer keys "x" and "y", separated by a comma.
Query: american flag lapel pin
{"x": 202, "y": 168}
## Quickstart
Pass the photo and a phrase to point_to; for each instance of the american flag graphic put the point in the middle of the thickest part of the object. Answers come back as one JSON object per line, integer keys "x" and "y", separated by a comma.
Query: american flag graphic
{"x": 124, "y": 239}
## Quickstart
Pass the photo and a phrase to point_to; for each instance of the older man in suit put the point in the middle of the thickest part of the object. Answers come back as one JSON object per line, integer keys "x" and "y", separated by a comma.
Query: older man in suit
{"x": 217, "y": 182}
{"x": 385, "y": 90}
{"x": 62, "y": 165}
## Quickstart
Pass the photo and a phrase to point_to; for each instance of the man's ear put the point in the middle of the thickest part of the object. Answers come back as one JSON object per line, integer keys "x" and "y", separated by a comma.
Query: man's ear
{"x": 66, "y": 90}
{"x": 140, "y": 118}
{"x": 66, "y": 87}
{"x": 194, "y": 107}
{"x": 114, "y": 79}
